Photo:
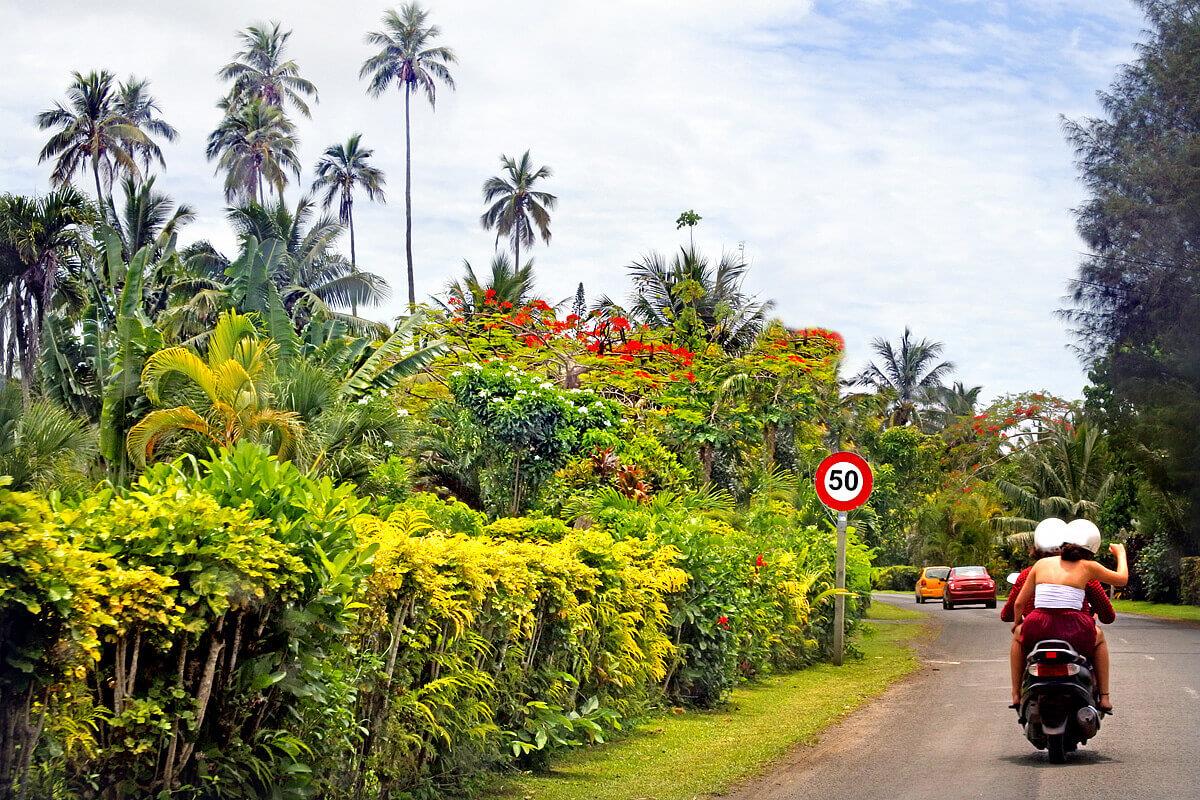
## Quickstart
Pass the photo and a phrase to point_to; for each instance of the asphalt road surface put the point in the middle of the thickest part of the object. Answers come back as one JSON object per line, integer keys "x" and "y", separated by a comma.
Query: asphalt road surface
{"x": 946, "y": 733}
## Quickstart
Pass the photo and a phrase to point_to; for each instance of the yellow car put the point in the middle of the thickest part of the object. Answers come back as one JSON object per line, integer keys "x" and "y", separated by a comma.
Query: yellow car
{"x": 932, "y": 583}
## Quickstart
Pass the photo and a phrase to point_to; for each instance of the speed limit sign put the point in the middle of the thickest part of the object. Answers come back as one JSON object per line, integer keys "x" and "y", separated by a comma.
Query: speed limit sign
{"x": 844, "y": 481}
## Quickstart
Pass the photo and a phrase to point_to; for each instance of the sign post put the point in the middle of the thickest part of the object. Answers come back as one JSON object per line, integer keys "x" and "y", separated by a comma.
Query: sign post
{"x": 843, "y": 483}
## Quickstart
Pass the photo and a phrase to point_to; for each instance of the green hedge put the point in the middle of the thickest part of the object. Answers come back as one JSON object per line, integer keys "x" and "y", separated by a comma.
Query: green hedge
{"x": 896, "y": 578}
{"x": 238, "y": 630}
{"x": 1189, "y": 580}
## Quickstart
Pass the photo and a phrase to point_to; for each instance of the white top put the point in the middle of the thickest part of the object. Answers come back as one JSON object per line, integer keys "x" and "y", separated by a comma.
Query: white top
{"x": 1056, "y": 595}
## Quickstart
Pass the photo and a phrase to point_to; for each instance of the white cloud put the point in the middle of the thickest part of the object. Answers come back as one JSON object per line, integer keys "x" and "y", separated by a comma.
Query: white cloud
{"x": 885, "y": 164}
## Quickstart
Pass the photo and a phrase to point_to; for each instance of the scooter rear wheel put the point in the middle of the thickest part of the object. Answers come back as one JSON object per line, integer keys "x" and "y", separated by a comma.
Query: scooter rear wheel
{"x": 1056, "y": 749}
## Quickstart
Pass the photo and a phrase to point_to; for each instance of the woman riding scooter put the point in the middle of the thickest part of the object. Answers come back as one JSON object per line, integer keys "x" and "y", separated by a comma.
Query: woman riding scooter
{"x": 1048, "y": 538}
{"x": 1050, "y": 603}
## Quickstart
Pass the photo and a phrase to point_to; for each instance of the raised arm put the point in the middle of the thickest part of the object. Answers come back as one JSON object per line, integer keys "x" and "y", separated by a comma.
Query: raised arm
{"x": 1120, "y": 576}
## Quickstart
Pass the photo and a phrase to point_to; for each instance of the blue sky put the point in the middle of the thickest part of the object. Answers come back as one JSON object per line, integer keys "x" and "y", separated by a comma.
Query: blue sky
{"x": 882, "y": 163}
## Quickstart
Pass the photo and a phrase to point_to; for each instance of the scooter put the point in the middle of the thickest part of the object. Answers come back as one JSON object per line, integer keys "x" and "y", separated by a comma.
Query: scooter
{"x": 1059, "y": 708}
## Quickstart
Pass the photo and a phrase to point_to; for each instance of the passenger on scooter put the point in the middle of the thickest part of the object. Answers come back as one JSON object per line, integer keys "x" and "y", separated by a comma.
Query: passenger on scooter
{"x": 1048, "y": 542}
{"x": 1050, "y": 603}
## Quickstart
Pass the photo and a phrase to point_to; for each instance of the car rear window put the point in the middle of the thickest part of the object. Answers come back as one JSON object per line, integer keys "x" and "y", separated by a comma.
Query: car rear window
{"x": 969, "y": 572}
{"x": 937, "y": 572}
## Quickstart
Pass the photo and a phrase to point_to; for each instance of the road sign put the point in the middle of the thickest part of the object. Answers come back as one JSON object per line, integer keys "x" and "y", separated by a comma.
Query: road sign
{"x": 843, "y": 483}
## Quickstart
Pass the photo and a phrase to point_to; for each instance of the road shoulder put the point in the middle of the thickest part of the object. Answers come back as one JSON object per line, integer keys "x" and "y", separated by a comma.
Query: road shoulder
{"x": 697, "y": 754}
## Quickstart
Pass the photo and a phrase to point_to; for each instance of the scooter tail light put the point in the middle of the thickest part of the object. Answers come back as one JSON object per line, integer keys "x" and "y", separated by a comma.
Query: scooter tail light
{"x": 1043, "y": 670}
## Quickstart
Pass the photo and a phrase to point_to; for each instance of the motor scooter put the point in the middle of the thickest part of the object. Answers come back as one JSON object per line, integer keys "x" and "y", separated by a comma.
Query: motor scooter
{"x": 1059, "y": 707}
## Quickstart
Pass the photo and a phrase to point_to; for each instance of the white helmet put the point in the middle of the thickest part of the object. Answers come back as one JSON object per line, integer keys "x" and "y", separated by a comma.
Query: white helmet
{"x": 1083, "y": 532}
{"x": 1049, "y": 534}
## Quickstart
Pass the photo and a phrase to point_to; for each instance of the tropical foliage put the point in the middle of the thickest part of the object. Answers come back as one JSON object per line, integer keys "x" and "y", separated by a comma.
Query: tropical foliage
{"x": 255, "y": 544}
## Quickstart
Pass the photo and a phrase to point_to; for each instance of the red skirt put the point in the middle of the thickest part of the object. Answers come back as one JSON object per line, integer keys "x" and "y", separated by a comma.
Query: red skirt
{"x": 1068, "y": 624}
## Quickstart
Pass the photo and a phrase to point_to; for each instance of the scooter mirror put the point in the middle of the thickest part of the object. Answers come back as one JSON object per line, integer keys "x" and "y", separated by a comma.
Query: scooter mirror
{"x": 1012, "y": 578}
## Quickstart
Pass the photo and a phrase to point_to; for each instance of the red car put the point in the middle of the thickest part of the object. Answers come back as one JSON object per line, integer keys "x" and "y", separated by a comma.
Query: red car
{"x": 969, "y": 585}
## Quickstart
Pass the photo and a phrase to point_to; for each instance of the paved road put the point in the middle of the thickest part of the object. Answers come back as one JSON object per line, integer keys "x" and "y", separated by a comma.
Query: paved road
{"x": 946, "y": 733}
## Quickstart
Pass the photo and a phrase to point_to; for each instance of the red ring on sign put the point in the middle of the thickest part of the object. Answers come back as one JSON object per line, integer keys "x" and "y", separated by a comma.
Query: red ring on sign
{"x": 844, "y": 457}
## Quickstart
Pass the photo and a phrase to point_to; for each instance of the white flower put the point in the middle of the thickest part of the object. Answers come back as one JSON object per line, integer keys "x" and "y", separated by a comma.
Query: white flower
{"x": 402, "y": 412}
{"x": 383, "y": 393}
{"x": 388, "y": 443}
{"x": 362, "y": 401}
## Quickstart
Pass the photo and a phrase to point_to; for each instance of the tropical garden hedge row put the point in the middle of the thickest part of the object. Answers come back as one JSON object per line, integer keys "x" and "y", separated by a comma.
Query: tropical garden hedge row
{"x": 229, "y": 627}
{"x": 256, "y": 543}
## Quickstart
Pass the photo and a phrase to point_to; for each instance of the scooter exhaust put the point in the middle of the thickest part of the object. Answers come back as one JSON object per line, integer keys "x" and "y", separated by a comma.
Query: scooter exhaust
{"x": 1089, "y": 721}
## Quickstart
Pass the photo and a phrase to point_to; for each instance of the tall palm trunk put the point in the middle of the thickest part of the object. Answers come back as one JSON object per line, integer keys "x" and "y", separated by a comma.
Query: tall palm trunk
{"x": 353, "y": 262}
{"x": 412, "y": 288}
{"x": 517, "y": 252}
{"x": 96, "y": 175}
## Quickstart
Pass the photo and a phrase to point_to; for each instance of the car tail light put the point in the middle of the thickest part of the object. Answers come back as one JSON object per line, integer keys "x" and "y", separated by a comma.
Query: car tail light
{"x": 1043, "y": 670}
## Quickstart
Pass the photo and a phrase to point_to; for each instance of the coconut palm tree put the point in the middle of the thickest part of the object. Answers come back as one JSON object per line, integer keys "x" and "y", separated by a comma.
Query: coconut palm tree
{"x": 92, "y": 130}
{"x": 665, "y": 293}
{"x": 946, "y": 404}
{"x": 341, "y": 169}
{"x": 408, "y": 59}
{"x": 42, "y": 244}
{"x": 226, "y": 394}
{"x": 313, "y": 279}
{"x": 254, "y": 144}
{"x": 469, "y": 294}
{"x": 135, "y": 103}
{"x": 516, "y": 207}
{"x": 260, "y": 71}
{"x": 1065, "y": 474}
{"x": 908, "y": 372}
{"x": 148, "y": 217}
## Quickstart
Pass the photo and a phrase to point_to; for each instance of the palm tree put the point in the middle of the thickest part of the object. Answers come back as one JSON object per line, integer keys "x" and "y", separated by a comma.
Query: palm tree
{"x": 227, "y": 396}
{"x": 312, "y": 278}
{"x": 1064, "y": 474}
{"x": 92, "y": 130}
{"x": 946, "y": 404}
{"x": 665, "y": 293}
{"x": 148, "y": 217}
{"x": 515, "y": 206}
{"x": 342, "y": 168}
{"x": 253, "y": 144}
{"x": 408, "y": 59}
{"x": 40, "y": 443}
{"x": 907, "y": 372}
{"x": 135, "y": 103}
{"x": 259, "y": 71}
{"x": 509, "y": 285}
{"x": 42, "y": 244}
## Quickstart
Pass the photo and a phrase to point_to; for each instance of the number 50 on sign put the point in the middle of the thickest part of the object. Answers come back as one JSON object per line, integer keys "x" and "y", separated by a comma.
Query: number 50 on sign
{"x": 843, "y": 481}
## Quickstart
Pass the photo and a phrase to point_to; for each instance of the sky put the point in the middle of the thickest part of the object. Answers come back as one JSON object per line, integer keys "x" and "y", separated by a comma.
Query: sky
{"x": 880, "y": 163}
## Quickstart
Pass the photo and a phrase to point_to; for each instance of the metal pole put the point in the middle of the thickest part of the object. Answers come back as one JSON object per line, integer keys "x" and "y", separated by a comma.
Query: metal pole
{"x": 839, "y": 601}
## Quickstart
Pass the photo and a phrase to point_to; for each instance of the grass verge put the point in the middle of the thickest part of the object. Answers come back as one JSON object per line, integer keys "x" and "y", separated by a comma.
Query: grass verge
{"x": 1160, "y": 610}
{"x": 700, "y": 753}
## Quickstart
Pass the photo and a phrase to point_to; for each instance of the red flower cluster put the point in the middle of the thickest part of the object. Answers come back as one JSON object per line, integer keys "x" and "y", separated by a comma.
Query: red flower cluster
{"x": 759, "y": 562}
{"x": 723, "y": 622}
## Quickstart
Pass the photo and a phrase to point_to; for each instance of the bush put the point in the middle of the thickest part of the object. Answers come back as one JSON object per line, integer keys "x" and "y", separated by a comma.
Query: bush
{"x": 1189, "y": 581}
{"x": 897, "y": 578}
{"x": 232, "y": 628}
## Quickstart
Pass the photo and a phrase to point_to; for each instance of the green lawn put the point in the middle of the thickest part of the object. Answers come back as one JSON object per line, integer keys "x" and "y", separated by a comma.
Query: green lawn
{"x": 1162, "y": 610}
{"x": 697, "y": 753}
{"x": 887, "y": 611}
